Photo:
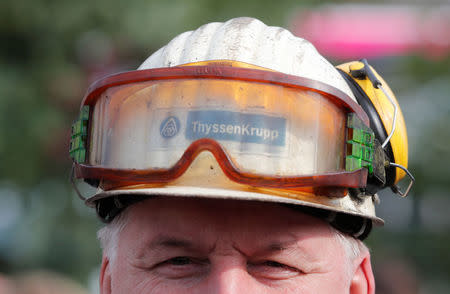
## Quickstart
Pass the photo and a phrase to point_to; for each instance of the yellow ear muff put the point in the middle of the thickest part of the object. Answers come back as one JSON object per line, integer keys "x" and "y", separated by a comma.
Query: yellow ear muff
{"x": 381, "y": 114}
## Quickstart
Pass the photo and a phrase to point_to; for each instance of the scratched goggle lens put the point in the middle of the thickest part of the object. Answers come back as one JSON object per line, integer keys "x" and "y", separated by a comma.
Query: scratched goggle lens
{"x": 264, "y": 128}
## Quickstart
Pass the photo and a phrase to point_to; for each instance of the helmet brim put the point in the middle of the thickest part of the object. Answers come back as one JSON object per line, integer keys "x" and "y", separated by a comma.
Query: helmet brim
{"x": 364, "y": 208}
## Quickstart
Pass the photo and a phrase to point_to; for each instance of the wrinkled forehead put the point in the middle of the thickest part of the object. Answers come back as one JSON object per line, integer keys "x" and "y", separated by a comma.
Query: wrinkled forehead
{"x": 211, "y": 226}
{"x": 234, "y": 218}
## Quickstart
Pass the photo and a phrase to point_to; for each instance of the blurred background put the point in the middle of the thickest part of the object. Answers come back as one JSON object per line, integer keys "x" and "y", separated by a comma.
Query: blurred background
{"x": 52, "y": 50}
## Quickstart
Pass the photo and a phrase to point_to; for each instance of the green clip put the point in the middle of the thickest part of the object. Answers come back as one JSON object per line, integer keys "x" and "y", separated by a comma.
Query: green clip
{"x": 360, "y": 145}
{"x": 77, "y": 149}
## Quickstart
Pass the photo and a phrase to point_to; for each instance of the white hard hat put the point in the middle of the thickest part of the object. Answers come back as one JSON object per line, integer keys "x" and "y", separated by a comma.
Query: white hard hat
{"x": 144, "y": 130}
{"x": 249, "y": 40}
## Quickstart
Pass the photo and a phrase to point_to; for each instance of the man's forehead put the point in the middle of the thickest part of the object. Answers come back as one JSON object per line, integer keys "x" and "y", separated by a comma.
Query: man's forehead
{"x": 156, "y": 207}
{"x": 200, "y": 225}
{"x": 200, "y": 215}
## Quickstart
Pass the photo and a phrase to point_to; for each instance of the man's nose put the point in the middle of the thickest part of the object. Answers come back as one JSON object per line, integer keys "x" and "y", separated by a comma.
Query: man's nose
{"x": 231, "y": 279}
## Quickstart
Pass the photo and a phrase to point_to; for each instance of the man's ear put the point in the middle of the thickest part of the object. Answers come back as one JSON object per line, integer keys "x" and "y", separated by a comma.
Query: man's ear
{"x": 105, "y": 276}
{"x": 363, "y": 281}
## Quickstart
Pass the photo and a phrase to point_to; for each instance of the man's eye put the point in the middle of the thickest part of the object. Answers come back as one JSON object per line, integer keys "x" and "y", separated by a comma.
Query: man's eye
{"x": 270, "y": 269}
{"x": 182, "y": 267}
{"x": 274, "y": 264}
{"x": 179, "y": 260}
{"x": 280, "y": 266}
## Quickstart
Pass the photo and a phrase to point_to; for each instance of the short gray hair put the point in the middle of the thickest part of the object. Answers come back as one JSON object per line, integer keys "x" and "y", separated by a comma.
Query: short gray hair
{"x": 109, "y": 235}
{"x": 354, "y": 248}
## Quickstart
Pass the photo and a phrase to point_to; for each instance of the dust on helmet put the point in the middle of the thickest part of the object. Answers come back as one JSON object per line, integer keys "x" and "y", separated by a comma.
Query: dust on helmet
{"x": 241, "y": 110}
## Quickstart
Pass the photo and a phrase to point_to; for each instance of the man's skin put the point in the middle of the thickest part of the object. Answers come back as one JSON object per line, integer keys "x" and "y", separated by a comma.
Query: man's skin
{"x": 180, "y": 245}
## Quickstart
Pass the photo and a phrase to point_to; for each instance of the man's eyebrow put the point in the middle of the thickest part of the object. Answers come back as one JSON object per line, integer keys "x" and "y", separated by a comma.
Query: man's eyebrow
{"x": 280, "y": 246}
{"x": 273, "y": 247}
{"x": 171, "y": 242}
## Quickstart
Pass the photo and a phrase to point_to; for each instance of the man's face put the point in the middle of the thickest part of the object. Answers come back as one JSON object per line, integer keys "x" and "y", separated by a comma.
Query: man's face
{"x": 177, "y": 245}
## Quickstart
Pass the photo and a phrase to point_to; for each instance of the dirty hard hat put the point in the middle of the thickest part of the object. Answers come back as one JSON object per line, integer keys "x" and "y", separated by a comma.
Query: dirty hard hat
{"x": 241, "y": 110}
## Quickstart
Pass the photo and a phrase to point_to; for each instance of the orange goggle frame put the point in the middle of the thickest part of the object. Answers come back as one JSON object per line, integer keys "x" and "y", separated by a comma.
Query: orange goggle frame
{"x": 354, "y": 176}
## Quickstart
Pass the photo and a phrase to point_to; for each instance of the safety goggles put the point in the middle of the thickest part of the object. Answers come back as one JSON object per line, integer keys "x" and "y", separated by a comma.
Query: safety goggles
{"x": 264, "y": 128}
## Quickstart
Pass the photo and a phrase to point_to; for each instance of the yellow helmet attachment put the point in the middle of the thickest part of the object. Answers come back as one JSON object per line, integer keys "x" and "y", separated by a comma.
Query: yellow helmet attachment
{"x": 387, "y": 122}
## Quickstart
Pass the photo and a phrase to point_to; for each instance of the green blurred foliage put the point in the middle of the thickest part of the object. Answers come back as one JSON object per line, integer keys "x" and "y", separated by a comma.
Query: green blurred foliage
{"x": 51, "y": 50}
